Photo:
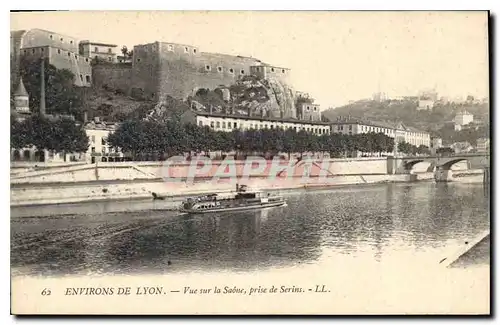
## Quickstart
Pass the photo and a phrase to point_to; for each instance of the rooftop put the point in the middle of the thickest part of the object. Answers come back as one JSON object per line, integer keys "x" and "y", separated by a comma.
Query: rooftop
{"x": 97, "y": 43}
{"x": 259, "y": 118}
{"x": 382, "y": 124}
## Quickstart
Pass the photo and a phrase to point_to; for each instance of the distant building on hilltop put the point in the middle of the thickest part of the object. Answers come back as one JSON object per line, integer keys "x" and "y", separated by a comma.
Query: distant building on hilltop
{"x": 425, "y": 104}
{"x": 462, "y": 118}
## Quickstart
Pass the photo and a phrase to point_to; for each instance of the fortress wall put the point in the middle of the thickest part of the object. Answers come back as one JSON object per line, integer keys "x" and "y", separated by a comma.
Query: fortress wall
{"x": 183, "y": 69}
{"x": 145, "y": 71}
{"x": 62, "y": 59}
{"x": 115, "y": 76}
{"x": 39, "y": 37}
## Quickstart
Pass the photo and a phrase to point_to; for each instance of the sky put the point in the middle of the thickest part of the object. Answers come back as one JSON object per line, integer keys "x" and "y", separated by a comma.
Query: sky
{"x": 334, "y": 56}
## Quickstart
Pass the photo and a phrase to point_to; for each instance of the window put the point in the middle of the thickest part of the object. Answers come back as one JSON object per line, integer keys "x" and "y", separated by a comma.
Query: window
{"x": 96, "y": 49}
{"x": 93, "y": 139}
{"x": 194, "y": 51}
{"x": 76, "y": 56}
{"x": 58, "y": 51}
{"x": 341, "y": 127}
{"x": 170, "y": 47}
{"x": 62, "y": 39}
{"x": 272, "y": 126}
{"x": 231, "y": 70}
{"x": 93, "y": 149}
{"x": 111, "y": 51}
{"x": 103, "y": 141}
{"x": 138, "y": 60}
{"x": 315, "y": 108}
{"x": 70, "y": 42}
{"x": 200, "y": 123}
{"x": 42, "y": 49}
{"x": 242, "y": 71}
{"x": 50, "y": 37}
{"x": 208, "y": 68}
{"x": 350, "y": 127}
{"x": 217, "y": 124}
{"x": 212, "y": 124}
{"x": 81, "y": 77}
{"x": 33, "y": 51}
{"x": 69, "y": 54}
{"x": 24, "y": 51}
{"x": 86, "y": 60}
{"x": 110, "y": 59}
{"x": 186, "y": 50}
{"x": 272, "y": 69}
{"x": 87, "y": 78}
{"x": 219, "y": 69}
{"x": 235, "y": 125}
{"x": 282, "y": 70}
{"x": 223, "y": 125}
{"x": 228, "y": 125}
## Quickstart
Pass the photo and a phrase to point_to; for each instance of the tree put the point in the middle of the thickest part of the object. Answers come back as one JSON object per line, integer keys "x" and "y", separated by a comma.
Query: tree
{"x": 58, "y": 135}
{"x": 61, "y": 95}
{"x": 124, "y": 50}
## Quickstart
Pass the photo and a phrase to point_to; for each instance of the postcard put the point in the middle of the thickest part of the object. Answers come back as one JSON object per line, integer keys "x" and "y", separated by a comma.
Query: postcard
{"x": 250, "y": 163}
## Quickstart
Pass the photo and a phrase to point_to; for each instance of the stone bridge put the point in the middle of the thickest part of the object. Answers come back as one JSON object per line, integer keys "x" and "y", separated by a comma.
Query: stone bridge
{"x": 440, "y": 165}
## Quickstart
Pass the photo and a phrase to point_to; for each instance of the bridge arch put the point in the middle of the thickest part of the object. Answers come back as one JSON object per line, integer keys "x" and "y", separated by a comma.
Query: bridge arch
{"x": 447, "y": 165}
{"x": 408, "y": 165}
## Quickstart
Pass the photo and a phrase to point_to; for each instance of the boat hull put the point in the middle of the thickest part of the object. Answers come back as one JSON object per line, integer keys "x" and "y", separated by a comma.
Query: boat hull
{"x": 239, "y": 208}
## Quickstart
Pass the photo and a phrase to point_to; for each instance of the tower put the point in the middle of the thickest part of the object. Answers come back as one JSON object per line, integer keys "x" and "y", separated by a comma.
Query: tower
{"x": 21, "y": 99}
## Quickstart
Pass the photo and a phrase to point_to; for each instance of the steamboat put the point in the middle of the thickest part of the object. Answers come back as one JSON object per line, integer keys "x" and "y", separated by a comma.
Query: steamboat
{"x": 241, "y": 200}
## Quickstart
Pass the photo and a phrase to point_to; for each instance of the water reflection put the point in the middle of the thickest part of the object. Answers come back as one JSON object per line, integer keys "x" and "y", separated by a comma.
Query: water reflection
{"x": 363, "y": 222}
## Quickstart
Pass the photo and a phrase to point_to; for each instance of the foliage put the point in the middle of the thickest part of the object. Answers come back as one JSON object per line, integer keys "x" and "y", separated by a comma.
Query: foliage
{"x": 411, "y": 149}
{"x": 61, "y": 95}
{"x": 140, "y": 138}
{"x": 406, "y": 111}
{"x": 444, "y": 151}
{"x": 58, "y": 135}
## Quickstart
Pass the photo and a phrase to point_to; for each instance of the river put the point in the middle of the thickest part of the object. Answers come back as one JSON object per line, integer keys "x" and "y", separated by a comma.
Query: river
{"x": 381, "y": 224}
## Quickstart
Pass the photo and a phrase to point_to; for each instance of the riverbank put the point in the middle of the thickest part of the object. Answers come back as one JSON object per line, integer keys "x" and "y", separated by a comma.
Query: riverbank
{"x": 51, "y": 193}
{"x": 74, "y": 183}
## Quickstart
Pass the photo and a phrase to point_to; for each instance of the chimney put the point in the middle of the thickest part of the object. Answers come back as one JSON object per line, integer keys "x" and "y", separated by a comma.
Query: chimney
{"x": 42, "y": 87}
{"x": 85, "y": 117}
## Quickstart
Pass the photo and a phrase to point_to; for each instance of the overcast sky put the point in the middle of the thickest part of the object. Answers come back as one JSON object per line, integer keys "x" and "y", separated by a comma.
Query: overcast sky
{"x": 335, "y": 56}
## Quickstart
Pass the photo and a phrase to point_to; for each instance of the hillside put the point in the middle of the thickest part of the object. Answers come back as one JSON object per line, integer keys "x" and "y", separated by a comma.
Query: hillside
{"x": 406, "y": 111}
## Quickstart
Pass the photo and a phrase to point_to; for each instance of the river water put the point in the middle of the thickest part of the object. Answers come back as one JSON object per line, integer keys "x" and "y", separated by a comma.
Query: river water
{"x": 382, "y": 224}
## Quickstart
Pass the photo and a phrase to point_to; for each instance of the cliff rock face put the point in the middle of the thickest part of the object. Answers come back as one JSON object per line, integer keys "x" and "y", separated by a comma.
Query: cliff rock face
{"x": 249, "y": 95}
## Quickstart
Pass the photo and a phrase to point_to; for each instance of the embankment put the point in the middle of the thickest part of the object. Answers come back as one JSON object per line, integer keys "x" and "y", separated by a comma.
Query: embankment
{"x": 127, "y": 180}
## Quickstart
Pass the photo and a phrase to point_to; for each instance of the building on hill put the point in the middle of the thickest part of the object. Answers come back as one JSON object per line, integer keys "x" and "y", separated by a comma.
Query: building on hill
{"x": 61, "y": 51}
{"x": 167, "y": 69}
{"x": 228, "y": 123}
{"x": 96, "y": 50}
{"x": 308, "y": 112}
{"x": 425, "y": 104}
{"x": 462, "y": 118}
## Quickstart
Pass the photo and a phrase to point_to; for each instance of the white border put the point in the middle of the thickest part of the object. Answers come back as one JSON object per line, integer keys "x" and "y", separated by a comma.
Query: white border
{"x": 190, "y": 5}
